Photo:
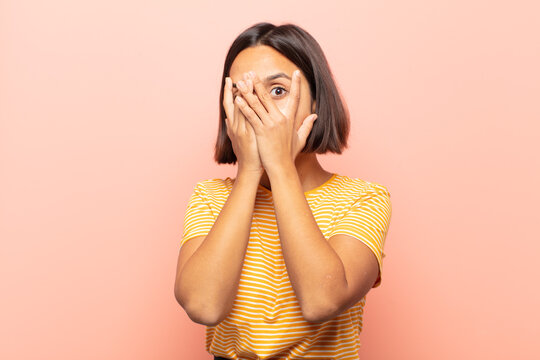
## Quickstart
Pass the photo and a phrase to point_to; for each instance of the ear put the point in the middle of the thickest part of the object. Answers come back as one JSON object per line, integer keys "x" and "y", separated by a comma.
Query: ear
{"x": 313, "y": 106}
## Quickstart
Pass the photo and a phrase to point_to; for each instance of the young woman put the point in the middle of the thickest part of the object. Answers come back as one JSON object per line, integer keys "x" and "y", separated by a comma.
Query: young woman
{"x": 277, "y": 262}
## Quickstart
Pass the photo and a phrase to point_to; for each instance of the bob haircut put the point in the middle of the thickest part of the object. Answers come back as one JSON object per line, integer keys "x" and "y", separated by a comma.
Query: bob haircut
{"x": 331, "y": 130}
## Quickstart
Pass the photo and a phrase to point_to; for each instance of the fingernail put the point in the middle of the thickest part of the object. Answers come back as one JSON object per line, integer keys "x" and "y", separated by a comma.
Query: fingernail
{"x": 251, "y": 73}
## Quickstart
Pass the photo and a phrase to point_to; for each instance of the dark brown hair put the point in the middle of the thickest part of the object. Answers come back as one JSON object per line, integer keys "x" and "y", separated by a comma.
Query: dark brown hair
{"x": 331, "y": 130}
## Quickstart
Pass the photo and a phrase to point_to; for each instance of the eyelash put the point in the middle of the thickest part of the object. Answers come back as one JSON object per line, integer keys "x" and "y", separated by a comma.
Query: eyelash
{"x": 277, "y": 87}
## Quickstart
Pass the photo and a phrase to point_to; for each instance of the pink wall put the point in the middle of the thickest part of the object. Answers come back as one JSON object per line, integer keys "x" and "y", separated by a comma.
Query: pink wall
{"x": 108, "y": 115}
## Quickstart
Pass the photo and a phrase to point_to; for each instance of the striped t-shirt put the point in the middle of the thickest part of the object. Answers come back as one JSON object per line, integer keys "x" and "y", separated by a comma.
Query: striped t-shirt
{"x": 266, "y": 320}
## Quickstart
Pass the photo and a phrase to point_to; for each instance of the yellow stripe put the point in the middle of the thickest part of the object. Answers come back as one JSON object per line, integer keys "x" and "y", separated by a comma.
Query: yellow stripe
{"x": 266, "y": 318}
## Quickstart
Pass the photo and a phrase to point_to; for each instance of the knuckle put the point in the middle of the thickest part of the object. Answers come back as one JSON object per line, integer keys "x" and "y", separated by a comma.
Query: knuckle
{"x": 246, "y": 99}
{"x": 252, "y": 97}
{"x": 265, "y": 95}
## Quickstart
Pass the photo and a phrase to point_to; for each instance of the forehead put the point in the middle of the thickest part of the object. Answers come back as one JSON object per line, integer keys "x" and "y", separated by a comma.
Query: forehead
{"x": 262, "y": 59}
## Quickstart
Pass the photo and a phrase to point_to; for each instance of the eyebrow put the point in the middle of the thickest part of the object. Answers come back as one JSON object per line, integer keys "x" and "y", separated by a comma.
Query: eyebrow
{"x": 272, "y": 77}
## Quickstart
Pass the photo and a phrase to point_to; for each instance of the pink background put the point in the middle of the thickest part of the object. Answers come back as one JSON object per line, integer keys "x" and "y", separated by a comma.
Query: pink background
{"x": 109, "y": 115}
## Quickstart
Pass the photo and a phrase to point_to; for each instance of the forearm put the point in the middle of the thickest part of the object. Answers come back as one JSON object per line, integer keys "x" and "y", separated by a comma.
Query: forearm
{"x": 209, "y": 280}
{"x": 315, "y": 270}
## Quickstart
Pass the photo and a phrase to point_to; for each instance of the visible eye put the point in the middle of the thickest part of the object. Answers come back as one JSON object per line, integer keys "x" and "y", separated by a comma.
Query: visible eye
{"x": 280, "y": 91}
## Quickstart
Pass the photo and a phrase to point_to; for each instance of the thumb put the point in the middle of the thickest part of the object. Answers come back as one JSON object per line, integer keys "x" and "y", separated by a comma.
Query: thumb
{"x": 305, "y": 129}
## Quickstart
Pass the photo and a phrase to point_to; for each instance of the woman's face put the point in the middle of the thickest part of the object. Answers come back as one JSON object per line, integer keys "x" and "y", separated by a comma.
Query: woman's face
{"x": 267, "y": 62}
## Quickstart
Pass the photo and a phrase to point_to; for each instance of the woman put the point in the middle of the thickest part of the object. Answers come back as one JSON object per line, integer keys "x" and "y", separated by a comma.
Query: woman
{"x": 277, "y": 261}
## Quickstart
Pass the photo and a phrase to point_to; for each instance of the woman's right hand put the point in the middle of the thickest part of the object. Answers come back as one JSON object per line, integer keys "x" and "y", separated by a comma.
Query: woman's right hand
{"x": 241, "y": 132}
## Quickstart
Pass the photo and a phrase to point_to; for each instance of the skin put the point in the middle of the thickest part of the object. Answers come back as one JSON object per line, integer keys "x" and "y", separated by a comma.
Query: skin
{"x": 340, "y": 270}
{"x": 267, "y": 132}
{"x": 265, "y": 61}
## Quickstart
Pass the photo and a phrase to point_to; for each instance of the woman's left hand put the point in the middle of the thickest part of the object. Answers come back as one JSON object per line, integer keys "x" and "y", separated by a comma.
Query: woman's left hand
{"x": 277, "y": 139}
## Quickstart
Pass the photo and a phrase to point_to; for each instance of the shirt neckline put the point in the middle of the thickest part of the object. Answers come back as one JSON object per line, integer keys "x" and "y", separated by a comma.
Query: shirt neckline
{"x": 306, "y": 193}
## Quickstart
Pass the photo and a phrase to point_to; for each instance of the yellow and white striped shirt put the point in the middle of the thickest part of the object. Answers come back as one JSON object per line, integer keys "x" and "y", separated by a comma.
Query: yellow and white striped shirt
{"x": 266, "y": 320}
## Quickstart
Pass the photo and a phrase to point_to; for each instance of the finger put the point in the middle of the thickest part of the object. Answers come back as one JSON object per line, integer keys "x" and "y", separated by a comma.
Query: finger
{"x": 238, "y": 118}
{"x": 306, "y": 128}
{"x": 228, "y": 104}
{"x": 249, "y": 85}
{"x": 250, "y": 94}
{"x": 228, "y": 126}
{"x": 264, "y": 97}
{"x": 242, "y": 121}
{"x": 250, "y": 132}
{"x": 249, "y": 114}
{"x": 253, "y": 101}
{"x": 294, "y": 96}
{"x": 249, "y": 128}
{"x": 247, "y": 125}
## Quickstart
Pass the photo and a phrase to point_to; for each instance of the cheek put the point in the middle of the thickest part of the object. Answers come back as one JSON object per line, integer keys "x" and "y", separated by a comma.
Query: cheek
{"x": 281, "y": 104}
{"x": 304, "y": 105}
{"x": 304, "y": 109}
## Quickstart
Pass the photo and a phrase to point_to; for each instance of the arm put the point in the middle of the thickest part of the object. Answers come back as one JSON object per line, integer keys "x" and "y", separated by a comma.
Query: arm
{"x": 324, "y": 282}
{"x": 208, "y": 282}
{"x": 315, "y": 270}
{"x": 318, "y": 269}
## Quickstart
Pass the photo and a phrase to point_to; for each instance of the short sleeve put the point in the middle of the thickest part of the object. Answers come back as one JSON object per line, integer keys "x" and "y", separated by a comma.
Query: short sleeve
{"x": 198, "y": 219}
{"x": 368, "y": 220}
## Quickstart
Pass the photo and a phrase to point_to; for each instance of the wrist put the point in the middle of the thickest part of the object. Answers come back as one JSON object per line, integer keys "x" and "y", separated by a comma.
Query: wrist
{"x": 283, "y": 168}
{"x": 280, "y": 167}
{"x": 249, "y": 175}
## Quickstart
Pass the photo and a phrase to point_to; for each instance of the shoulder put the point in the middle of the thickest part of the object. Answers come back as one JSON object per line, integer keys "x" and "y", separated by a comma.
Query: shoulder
{"x": 214, "y": 188}
{"x": 357, "y": 188}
